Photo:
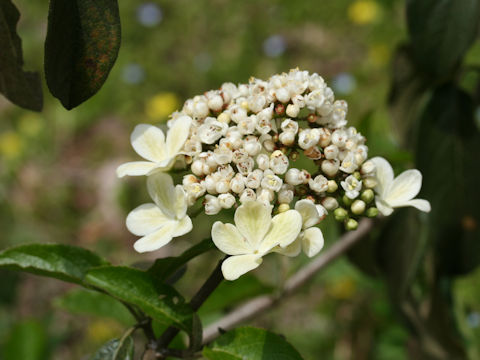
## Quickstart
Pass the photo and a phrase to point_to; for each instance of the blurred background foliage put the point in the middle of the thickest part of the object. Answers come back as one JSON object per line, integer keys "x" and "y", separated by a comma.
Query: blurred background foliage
{"x": 408, "y": 291}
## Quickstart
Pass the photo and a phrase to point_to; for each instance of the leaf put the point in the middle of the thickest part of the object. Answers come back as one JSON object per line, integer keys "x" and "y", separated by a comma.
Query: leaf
{"x": 252, "y": 344}
{"x": 85, "y": 302}
{"x": 441, "y": 32}
{"x": 116, "y": 349}
{"x": 137, "y": 287}
{"x": 447, "y": 155}
{"x": 164, "y": 269}
{"x": 68, "y": 263}
{"x": 20, "y": 87}
{"x": 26, "y": 341}
{"x": 83, "y": 40}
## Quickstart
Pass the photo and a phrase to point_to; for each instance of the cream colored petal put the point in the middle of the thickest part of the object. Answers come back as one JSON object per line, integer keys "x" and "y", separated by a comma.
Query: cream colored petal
{"x": 291, "y": 250}
{"x": 236, "y": 266}
{"x": 384, "y": 174}
{"x": 177, "y": 135}
{"x": 145, "y": 219}
{"x": 180, "y": 202}
{"x": 183, "y": 227}
{"x": 135, "y": 168}
{"x": 285, "y": 229}
{"x": 420, "y": 204}
{"x": 383, "y": 207}
{"x": 312, "y": 241}
{"x": 228, "y": 239}
{"x": 161, "y": 190}
{"x": 253, "y": 220}
{"x": 149, "y": 142}
{"x": 405, "y": 187}
{"x": 157, "y": 239}
{"x": 309, "y": 213}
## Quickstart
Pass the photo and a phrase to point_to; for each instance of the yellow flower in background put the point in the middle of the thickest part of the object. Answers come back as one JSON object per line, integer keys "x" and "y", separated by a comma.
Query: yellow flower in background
{"x": 11, "y": 145}
{"x": 159, "y": 106}
{"x": 362, "y": 12}
{"x": 99, "y": 331}
{"x": 30, "y": 125}
{"x": 342, "y": 289}
{"x": 379, "y": 54}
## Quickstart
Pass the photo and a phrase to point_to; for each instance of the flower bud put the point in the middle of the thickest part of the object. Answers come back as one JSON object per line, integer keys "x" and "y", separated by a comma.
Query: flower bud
{"x": 340, "y": 214}
{"x": 226, "y": 201}
{"x": 325, "y": 137}
{"x": 248, "y": 195}
{"x": 197, "y": 167}
{"x": 330, "y": 203}
{"x": 278, "y": 162}
{"x": 212, "y": 205}
{"x": 372, "y": 212}
{"x": 367, "y": 195}
{"x": 282, "y": 95}
{"x": 254, "y": 178}
{"x": 358, "y": 207}
{"x": 283, "y": 207}
{"x": 346, "y": 200}
{"x": 293, "y": 110}
{"x": 331, "y": 152}
{"x": 332, "y": 186}
{"x": 369, "y": 182}
{"x": 351, "y": 224}
{"x": 223, "y": 118}
{"x": 215, "y": 103}
{"x": 285, "y": 195}
{"x": 330, "y": 167}
{"x": 368, "y": 167}
{"x": 280, "y": 109}
{"x": 222, "y": 186}
{"x": 287, "y": 138}
{"x": 319, "y": 184}
{"x": 237, "y": 184}
{"x": 293, "y": 177}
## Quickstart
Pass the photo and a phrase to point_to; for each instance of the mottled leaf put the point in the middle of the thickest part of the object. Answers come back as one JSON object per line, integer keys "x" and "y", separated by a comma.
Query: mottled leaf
{"x": 116, "y": 349}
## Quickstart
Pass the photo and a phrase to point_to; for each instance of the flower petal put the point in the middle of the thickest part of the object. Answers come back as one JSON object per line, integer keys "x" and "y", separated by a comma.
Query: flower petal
{"x": 291, "y": 250}
{"x": 135, "y": 168}
{"x": 161, "y": 190}
{"x": 285, "y": 229}
{"x": 384, "y": 175}
{"x": 177, "y": 135}
{"x": 383, "y": 207}
{"x": 228, "y": 239}
{"x": 253, "y": 220}
{"x": 420, "y": 204}
{"x": 309, "y": 213}
{"x": 236, "y": 266}
{"x": 145, "y": 219}
{"x": 149, "y": 142}
{"x": 184, "y": 226}
{"x": 312, "y": 241}
{"x": 405, "y": 187}
{"x": 180, "y": 202}
{"x": 157, "y": 239}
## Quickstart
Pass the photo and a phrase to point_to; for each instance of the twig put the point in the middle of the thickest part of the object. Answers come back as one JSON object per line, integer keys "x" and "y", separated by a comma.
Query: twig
{"x": 259, "y": 304}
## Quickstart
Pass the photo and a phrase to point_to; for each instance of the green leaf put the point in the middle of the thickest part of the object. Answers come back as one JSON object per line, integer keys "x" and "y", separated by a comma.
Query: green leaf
{"x": 20, "y": 87}
{"x": 26, "y": 341}
{"x": 86, "y": 302}
{"x": 68, "y": 263}
{"x": 137, "y": 287}
{"x": 83, "y": 40}
{"x": 116, "y": 349}
{"x": 447, "y": 155}
{"x": 164, "y": 269}
{"x": 441, "y": 32}
{"x": 252, "y": 344}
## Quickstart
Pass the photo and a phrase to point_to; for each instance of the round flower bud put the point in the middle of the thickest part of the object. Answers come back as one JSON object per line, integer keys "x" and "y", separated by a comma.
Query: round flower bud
{"x": 237, "y": 113}
{"x": 367, "y": 196}
{"x": 271, "y": 181}
{"x": 351, "y": 224}
{"x": 266, "y": 195}
{"x": 215, "y": 103}
{"x": 293, "y": 110}
{"x": 372, "y": 212}
{"x": 319, "y": 184}
{"x": 346, "y": 200}
{"x": 358, "y": 207}
{"x": 293, "y": 177}
{"x": 332, "y": 186}
{"x": 368, "y": 167}
{"x": 263, "y": 161}
{"x": 222, "y": 186}
{"x": 330, "y": 167}
{"x": 283, "y": 207}
{"x": 226, "y": 201}
{"x": 331, "y": 152}
{"x": 251, "y": 145}
{"x": 278, "y": 162}
{"x": 212, "y": 205}
{"x": 330, "y": 203}
{"x": 340, "y": 214}
{"x": 237, "y": 184}
{"x": 248, "y": 195}
{"x": 369, "y": 182}
{"x": 325, "y": 137}
{"x": 254, "y": 178}
{"x": 189, "y": 179}
{"x": 224, "y": 118}
{"x": 282, "y": 95}
{"x": 285, "y": 195}
{"x": 287, "y": 138}
{"x": 197, "y": 167}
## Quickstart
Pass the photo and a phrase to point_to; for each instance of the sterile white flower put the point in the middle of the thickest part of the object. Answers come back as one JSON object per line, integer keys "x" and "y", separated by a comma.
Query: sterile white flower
{"x": 162, "y": 220}
{"x": 253, "y": 236}
{"x": 397, "y": 192}
{"x": 148, "y": 141}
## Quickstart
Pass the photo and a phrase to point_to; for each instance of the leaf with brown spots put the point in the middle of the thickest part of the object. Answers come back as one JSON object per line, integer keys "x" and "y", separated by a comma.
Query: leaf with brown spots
{"x": 83, "y": 40}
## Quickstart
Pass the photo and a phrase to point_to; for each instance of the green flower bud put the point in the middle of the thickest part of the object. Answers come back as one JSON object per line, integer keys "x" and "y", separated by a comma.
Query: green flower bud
{"x": 340, "y": 214}
{"x": 332, "y": 186}
{"x": 358, "y": 207}
{"x": 367, "y": 195}
{"x": 357, "y": 175}
{"x": 372, "y": 212}
{"x": 351, "y": 224}
{"x": 346, "y": 200}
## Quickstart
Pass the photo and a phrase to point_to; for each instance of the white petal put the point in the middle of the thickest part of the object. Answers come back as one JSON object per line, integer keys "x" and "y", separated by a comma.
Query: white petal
{"x": 136, "y": 168}
{"x": 145, "y": 219}
{"x": 384, "y": 174}
{"x": 156, "y": 240}
{"x": 405, "y": 187}
{"x": 160, "y": 187}
{"x": 236, "y": 266}
{"x": 285, "y": 229}
{"x": 229, "y": 240}
{"x": 312, "y": 241}
{"x": 177, "y": 135}
{"x": 291, "y": 250}
{"x": 383, "y": 207}
{"x": 309, "y": 213}
{"x": 149, "y": 142}
{"x": 420, "y": 204}
{"x": 253, "y": 220}
{"x": 183, "y": 226}
{"x": 180, "y": 202}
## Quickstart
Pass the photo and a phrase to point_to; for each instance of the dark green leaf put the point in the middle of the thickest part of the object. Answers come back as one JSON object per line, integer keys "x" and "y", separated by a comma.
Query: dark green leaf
{"x": 441, "y": 32}
{"x": 447, "y": 155}
{"x": 166, "y": 268}
{"x": 252, "y": 344}
{"x": 85, "y": 302}
{"x": 27, "y": 341}
{"x": 20, "y": 87}
{"x": 63, "y": 262}
{"x": 116, "y": 350}
{"x": 139, "y": 288}
{"x": 83, "y": 39}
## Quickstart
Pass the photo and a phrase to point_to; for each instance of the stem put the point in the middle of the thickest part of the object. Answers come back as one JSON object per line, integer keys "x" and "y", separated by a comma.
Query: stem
{"x": 259, "y": 304}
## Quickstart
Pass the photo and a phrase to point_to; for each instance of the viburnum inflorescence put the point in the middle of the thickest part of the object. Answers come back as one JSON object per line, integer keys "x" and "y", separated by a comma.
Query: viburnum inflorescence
{"x": 248, "y": 147}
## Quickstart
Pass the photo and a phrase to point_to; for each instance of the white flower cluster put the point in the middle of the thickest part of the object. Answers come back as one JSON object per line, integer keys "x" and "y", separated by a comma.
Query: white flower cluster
{"x": 239, "y": 147}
